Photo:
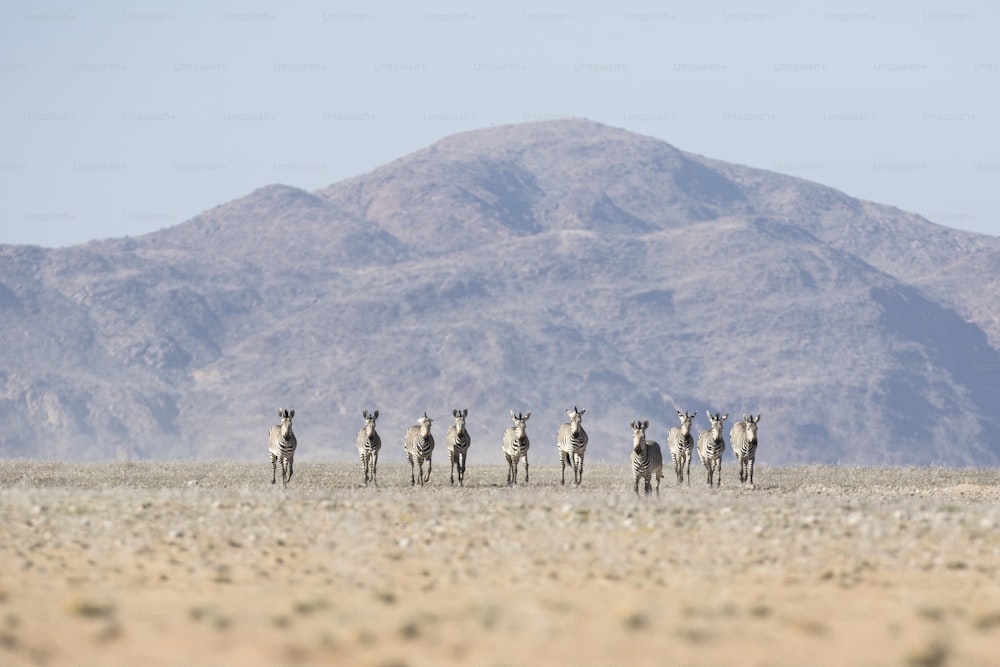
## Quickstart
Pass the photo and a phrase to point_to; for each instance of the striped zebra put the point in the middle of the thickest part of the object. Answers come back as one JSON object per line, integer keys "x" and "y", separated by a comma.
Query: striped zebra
{"x": 680, "y": 443}
{"x": 419, "y": 445}
{"x": 458, "y": 442}
{"x": 711, "y": 444}
{"x": 647, "y": 458}
{"x": 281, "y": 443}
{"x": 743, "y": 438}
{"x": 515, "y": 447}
{"x": 369, "y": 443}
{"x": 572, "y": 442}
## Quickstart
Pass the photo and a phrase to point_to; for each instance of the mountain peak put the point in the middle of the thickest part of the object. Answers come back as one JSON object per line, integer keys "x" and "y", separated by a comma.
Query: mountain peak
{"x": 531, "y": 266}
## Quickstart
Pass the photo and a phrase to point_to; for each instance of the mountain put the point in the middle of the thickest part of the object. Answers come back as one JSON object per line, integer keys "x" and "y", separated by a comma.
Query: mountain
{"x": 531, "y": 267}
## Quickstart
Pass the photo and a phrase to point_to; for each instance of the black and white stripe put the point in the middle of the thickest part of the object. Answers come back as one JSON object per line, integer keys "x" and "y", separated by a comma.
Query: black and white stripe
{"x": 647, "y": 458}
{"x": 369, "y": 443}
{"x": 743, "y": 438}
{"x": 711, "y": 445}
{"x": 515, "y": 446}
{"x": 281, "y": 443}
{"x": 572, "y": 442}
{"x": 681, "y": 443}
{"x": 458, "y": 442}
{"x": 419, "y": 445}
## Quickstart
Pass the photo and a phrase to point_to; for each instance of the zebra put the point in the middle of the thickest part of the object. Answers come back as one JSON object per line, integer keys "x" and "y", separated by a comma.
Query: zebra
{"x": 572, "y": 442}
{"x": 419, "y": 445}
{"x": 647, "y": 458}
{"x": 458, "y": 442}
{"x": 743, "y": 437}
{"x": 711, "y": 444}
{"x": 515, "y": 447}
{"x": 369, "y": 443}
{"x": 681, "y": 443}
{"x": 281, "y": 443}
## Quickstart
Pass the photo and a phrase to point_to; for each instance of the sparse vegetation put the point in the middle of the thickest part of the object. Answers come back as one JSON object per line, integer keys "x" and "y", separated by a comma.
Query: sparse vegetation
{"x": 486, "y": 573}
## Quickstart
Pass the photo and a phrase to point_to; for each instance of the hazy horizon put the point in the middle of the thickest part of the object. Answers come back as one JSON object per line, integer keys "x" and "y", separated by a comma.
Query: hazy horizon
{"x": 123, "y": 119}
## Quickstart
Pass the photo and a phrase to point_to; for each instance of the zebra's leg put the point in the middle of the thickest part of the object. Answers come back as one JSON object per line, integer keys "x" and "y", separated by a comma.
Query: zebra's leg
{"x": 657, "y": 486}
{"x": 750, "y": 471}
{"x": 451, "y": 462}
{"x": 718, "y": 474}
{"x": 689, "y": 471}
{"x": 430, "y": 464}
{"x": 647, "y": 487}
{"x": 290, "y": 463}
{"x": 526, "y": 467}
{"x": 413, "y": 480}
{"x": 562, "y": 460}
{"x": 274, "y": 468}
{"x": 579, "y": 480}
{"x": 635, "y": 479}
{"x": 461, "y": 469}
{"x": 374, "y": 468}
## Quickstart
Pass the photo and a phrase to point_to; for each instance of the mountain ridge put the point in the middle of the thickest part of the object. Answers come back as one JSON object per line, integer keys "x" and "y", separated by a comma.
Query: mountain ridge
{"x": 530, "y": 267}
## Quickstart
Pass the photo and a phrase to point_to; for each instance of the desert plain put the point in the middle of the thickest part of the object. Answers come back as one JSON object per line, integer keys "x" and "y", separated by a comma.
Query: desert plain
{"x": 207, "y": 563}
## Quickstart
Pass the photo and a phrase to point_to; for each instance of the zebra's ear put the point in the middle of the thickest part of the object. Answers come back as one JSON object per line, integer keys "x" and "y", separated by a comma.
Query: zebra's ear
{"x": 465, "y": 413}
{"x": 291, "y": 413}
{"x": 681, "y": 414}
{"x": 375, "y": 415}
{"x": 512, "y": 415}
{"x": 281, "y": 413}
{"x": 645, "y": 425}
{"x": 725, "y": 416}
{"x": 527, "y": 416}
{"x": 756, "y": 420}
{"x": 583, "y": 412}
{"x": 454, "y": 412}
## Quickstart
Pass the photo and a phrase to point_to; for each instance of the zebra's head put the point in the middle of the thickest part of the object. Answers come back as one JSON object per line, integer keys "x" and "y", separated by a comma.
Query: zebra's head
{"x": 519, "y": 423}
{"x": 751, "y": 425}
{"x": 717, "y": 420}
{"x": 639, "y": 435}
{"x": 460, "y": 416}
{"x": 425, "y": 425}
{"x": 370, "y": 418}
{"x": 686, "y": 420}
{"x": 575, "y": 418}
{"x": 286, "y": 421}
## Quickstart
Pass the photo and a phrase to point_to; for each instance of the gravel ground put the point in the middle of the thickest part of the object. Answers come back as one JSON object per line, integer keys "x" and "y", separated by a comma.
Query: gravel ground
{"x": 208, "y": 563}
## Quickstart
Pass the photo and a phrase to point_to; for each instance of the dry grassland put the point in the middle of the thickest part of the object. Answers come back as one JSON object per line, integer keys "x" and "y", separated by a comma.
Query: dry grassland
{"x": 207, "y": 563}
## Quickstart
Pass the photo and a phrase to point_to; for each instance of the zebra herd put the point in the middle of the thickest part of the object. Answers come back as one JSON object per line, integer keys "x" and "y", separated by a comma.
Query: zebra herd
{"x": 646, "y": 457}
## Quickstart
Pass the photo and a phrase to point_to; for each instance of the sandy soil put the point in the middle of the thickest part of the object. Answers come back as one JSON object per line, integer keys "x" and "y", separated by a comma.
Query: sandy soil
{"x": 207, "y": 563}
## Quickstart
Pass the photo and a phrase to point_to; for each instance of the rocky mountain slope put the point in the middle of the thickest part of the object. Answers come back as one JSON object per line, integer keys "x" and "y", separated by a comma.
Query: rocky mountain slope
{"x": 529, "y": 267}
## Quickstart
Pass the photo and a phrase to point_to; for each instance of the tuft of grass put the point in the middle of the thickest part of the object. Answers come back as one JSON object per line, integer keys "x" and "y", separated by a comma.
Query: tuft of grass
{"x": 307, "y": 607}
{"x": 934, "y": 654}
{"x": 387, "y": 597}
{"x": 92, "y": 609}
{"x": 987, "y": 620}
{"x": 637, "y": 620}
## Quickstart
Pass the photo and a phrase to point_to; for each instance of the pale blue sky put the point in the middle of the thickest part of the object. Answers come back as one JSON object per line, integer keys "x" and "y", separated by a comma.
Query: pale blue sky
{"x": 120, "y": 118}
